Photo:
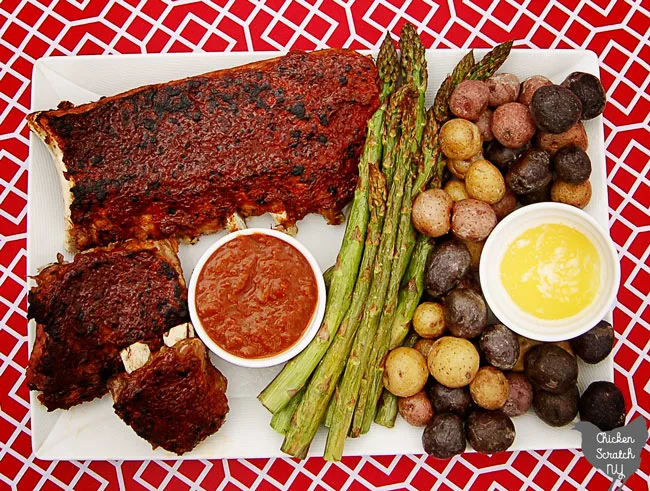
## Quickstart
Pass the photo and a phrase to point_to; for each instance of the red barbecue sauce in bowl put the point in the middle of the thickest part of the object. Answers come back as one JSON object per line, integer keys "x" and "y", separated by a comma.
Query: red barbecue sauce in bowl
{"x": 256, "y": 295}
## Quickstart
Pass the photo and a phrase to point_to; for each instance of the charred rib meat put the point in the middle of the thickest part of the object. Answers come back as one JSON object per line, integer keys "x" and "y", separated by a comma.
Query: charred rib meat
{"x": 88, "y": 310}
{"x": 177, "y": 160}
{"x": 175, "y": 400}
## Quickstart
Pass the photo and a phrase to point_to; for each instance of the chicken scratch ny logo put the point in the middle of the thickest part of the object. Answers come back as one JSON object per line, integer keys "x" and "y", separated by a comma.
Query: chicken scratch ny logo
{"x": 617, "y": 452}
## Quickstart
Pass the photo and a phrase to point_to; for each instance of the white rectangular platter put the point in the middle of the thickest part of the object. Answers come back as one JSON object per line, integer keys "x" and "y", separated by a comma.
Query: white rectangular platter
{"x": 92, "y": 430}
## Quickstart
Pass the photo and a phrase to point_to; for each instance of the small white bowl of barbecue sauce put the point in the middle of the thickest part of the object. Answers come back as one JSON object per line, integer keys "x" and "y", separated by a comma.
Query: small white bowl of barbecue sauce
{"x": 553, "y": 272}
{"x": 256, "y": 297}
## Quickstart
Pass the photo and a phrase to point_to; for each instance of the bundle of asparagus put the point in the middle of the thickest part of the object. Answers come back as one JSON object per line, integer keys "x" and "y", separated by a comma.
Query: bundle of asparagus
{"x": 377, "y": 280}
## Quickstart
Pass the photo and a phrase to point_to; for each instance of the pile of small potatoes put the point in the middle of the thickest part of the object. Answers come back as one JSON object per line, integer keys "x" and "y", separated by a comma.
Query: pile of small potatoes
{"x": 510, "y": 143}
{"x": 465, "y": 379}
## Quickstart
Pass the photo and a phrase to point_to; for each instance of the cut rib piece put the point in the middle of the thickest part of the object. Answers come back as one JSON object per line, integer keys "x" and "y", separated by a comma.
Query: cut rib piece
{"x": 88, "y": 310}
{"x": 178, "y": 159}
{"x": 176, "y": 400}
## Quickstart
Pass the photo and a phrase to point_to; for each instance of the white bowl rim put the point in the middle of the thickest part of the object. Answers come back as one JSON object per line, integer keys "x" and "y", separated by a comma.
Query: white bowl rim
{"x": 512, "y": 318}
{"x": 307, "y": 335}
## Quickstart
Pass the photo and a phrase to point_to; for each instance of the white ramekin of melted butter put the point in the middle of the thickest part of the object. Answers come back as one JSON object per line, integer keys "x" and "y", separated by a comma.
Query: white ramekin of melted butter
{"x": 549, "y": 272}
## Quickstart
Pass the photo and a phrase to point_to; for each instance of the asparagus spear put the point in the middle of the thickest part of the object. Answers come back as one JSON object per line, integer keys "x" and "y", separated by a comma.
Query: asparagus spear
{"x": 391, "y": 135}
{"x": 330, "y": 408}
{"x": 371, "y": 386}
{"x": 490, "y": 63}
{"x": 388, "y": 67}
{"x": 381, "y": 275}
{"x": 296, "y": 372}
{"x": 387, "y": 406}
{"x": 281, "y": 420}
{"x": 311, "y": 410}
{"x": 414, "y": 62}
{"x": 412, "y": 288}
{"x": 415, "y": 70}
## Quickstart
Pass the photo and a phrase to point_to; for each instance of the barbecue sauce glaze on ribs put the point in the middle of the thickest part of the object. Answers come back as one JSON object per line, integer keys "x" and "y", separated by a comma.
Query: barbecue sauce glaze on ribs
{"x": 175, "y": 400}
{"x": 175, "y": 160}
{"x": 88, "y": 310}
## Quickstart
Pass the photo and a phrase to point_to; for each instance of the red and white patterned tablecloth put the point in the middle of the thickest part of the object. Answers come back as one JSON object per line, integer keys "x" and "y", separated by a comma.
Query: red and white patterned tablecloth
{"x": 618, "y": 31}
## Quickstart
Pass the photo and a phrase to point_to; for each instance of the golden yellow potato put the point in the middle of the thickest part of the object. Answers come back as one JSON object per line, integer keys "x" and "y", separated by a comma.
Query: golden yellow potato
{"x": 456, "y": 190}
{"x": 429, "y": 320}
{"x": 460, "y": 139}
{"x": 485, "y": 182}
{"x": 475, "y": 250}
{"x": 453, "y": 361}
{"x": 459, "y": 167}
{"x": 577, "y": 195}
{"x": 405, "y": 372}
{"x": 489, "y": 389}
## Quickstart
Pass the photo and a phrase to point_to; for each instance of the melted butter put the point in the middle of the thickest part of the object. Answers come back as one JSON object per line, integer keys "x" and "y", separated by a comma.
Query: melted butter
{"x": 551, "y": 271}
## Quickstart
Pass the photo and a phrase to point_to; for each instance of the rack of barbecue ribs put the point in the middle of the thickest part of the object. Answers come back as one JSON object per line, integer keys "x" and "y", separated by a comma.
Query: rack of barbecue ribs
{"x": 173, "y": 398}
{"x": 88, "y": 310}
{"x": 192, "y": 156}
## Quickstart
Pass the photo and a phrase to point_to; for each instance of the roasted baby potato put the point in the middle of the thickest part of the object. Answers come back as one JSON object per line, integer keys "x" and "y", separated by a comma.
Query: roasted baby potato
{"x": 469, "y": 99}
{"x": 578, "y": 195}
{"x": 596, "y": 344}
{"x": 459, "y": 139}
{"x": 513, "y": 125}
{"x": 465, "y": 313}
{"x": 556, "y": 409}
{"x": 555, "y": 109}
{"x": 484, "y": 182}
{"x": 520, "y": 395}
{"x": 499, "y": 346}
{"x": 431, "y": 212}
{"x": 405, "y": 372}
{"x": 416, "y": 409}
{"x": 444, "y": 436}
{"x": 472, "y": 219}
{"x": 429, "y": 320}
{"x": 453, "y": 361}
{"x": 489, "y": 432}
{"x": 603, "y": 405}
{"x": 550, "y": 368}
{"x": 489, "y": 389}
{"x": 445, "y": 400}
{"x": 448, "y": 264}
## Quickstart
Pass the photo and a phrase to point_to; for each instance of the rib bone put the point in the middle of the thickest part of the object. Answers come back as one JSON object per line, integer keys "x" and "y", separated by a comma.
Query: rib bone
{"x": 176, "y": 333}
{"x": 135, "y": 356}
{"x": 282, "y": 223}
{"x": 235, "y": 222}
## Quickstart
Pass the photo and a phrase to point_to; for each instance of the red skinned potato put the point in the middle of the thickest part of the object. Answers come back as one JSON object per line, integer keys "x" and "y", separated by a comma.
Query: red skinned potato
{"x": 431, "y": 212}
{"x": 469, "y": 99}
{"x": 416, "y": 409}
{"x": 551, "y": 143}
{"x": 506, "y": 206}
{"x": 484, "y": 124}
{"x": 504, "y": 88}
{"x": 530, "y": 85}
{"x": 520, "y": 395}
{"x": 472, "y": 220}
{"x": 513, "y": 125}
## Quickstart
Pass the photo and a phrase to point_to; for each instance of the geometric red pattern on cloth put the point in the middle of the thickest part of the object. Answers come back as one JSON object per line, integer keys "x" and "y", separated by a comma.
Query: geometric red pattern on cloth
{"x": 618, "y": 31}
